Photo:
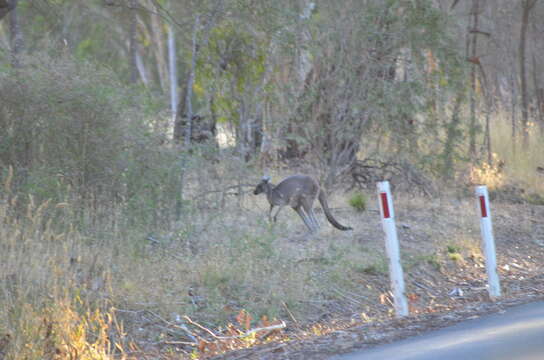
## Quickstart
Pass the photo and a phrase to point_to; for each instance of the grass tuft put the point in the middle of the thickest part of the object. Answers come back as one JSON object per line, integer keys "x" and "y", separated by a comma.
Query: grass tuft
{"x": 358, "y": 201}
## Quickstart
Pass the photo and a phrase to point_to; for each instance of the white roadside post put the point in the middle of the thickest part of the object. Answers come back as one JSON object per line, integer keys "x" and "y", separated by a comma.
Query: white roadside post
{"x": 488, "y": 242}
{"x": 392, "y": 247}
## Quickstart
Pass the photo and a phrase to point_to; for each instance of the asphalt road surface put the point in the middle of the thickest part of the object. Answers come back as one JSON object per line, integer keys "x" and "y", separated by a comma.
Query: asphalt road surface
{"x": 515, "y": 334}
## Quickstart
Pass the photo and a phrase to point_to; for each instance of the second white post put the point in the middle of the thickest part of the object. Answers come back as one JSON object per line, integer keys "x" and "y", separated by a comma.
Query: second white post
{"x": 392, "y": 247}
{"x": 488, "y": 242}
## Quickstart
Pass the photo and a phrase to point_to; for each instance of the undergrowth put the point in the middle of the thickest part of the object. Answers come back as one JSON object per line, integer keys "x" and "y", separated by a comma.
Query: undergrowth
{"x": 84, "y": 288}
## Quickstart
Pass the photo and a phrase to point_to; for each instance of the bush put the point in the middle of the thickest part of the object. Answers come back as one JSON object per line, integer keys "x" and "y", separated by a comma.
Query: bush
{"x": 73, "y": 133}
{"x": 358, "y": 201}
{"x": 62, "y": 120}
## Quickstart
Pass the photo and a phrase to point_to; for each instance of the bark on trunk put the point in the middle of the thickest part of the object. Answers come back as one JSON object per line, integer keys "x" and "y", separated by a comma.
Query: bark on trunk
{"x": 472, "y": 55}
{"x": 16, "y": 36}
{"x": 539, "y": 92}
{"x": 527, "y": 5}
{"x": 172, "y": 64}
{"x": 159, "y": 48}
{"x": 132, "y": 43}
{"x": 190, "y": 82}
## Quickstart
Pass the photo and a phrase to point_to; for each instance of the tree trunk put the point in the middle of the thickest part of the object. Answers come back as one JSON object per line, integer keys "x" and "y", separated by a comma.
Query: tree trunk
{"x": 471, "y": 54}
{"x": 133, "y": 43}
{"x": 452, "y": 136}
{"x": 141, "y": 68}
{"x": 6, "y": 6}
{"x": 159, "y": 47}
{"x": 188, "y": 114}
{"x": 16, "y": 36}
{"x": 527, "y": 5}
{"x": 539, "y": 91}
{"x": 172, "y": 64}
{"x": 513, "y": 109}
{"x": 190, "y": 82}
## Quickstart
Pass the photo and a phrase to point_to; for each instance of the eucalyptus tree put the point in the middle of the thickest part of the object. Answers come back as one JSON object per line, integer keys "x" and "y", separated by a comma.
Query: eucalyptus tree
{"x": 377, "y": 68}
{"x": 526, "y": 6}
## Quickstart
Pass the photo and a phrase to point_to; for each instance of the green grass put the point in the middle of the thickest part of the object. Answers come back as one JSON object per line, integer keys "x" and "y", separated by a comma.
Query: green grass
{"x": 358, "y": 201}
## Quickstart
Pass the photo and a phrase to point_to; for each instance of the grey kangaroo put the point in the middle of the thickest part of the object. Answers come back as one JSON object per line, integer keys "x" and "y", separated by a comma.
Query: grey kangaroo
{"x": 299, "y": 192}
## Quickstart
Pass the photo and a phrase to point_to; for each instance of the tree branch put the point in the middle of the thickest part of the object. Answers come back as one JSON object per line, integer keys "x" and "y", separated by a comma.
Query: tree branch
{"x": 481, "y": 32}
{"x": 5, "y": 7}
{"x": 454, "y": 4}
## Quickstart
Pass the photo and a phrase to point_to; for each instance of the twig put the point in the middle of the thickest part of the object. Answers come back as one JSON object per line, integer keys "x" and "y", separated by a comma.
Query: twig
{"x": 188, "y": 319}
{"x": 290, "y": 314}
{"x": 424, "y": 287}
{"x": 189, "y": 333}
{"x": 185, "y": 333}
{"x": 282, "y": 325}
{"x": 128, "y": 311}
{"x": 270, "y": 328}
{"x": 349, "y": 298}
{"x": 169, "y": 342}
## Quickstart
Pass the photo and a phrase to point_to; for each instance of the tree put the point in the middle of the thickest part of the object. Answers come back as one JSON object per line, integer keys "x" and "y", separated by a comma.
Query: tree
{"x": 353, "y": 97}
{"x": 527, "y": 5}
{"x": 471, "y": 53}
{"x": 6, "y": 6}
{"x": 133, "y": 42}
{"x": 16, "y": 36}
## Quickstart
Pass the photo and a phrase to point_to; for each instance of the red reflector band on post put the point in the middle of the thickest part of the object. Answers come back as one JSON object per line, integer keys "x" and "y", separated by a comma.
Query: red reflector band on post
{"x": 482, "y": 206}
{"x": 385, "y": 205}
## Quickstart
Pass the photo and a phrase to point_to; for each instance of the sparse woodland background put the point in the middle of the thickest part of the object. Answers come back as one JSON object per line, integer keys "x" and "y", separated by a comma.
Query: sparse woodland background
{"x": 131, "y": 131}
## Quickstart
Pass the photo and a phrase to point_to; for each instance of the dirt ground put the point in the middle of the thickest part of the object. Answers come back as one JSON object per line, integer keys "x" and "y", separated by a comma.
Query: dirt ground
{"x": 444, "y": 273}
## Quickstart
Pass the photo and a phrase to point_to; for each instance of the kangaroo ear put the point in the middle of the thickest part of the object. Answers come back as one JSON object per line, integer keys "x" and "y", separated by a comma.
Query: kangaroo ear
{"x": 266, "y": 178}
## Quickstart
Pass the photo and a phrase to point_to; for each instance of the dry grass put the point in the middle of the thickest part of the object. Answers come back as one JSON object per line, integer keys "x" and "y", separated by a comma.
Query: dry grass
{"x": 54, "y": 289}
{"x": 99, "y": 290}
{"x": 520, "y": 164}
{"x": 215, "y": 262}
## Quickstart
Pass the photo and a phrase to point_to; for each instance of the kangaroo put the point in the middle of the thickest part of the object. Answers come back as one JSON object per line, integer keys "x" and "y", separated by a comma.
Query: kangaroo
{"x": 299, "y": 192}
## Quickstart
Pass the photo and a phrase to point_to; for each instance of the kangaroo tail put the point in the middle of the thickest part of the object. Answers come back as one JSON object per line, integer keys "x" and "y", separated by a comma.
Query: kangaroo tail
{"x": 332, "y": 220}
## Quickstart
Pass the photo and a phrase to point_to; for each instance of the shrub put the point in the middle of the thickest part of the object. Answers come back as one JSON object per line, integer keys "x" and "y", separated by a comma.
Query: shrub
{"x": 73, "y": 133}
{"x": 358, "y": 201}
{"x": 452, "y": 249}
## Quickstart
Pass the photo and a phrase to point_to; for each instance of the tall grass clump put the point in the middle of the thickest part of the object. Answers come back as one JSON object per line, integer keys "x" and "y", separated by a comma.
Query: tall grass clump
{"x": 54, "y": 289}
{"x": 358, "y": 201}
{"x": 521, "y": 162}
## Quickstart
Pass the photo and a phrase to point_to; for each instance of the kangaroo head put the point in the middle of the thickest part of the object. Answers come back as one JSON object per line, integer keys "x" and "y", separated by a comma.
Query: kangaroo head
{"x": 261, "y": 187}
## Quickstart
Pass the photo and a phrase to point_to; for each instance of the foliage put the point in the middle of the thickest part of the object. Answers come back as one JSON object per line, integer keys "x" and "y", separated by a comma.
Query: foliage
{"x": 376, "y": 73}
{"x": 75, "y": 133}
{"x": 358, "y": 201}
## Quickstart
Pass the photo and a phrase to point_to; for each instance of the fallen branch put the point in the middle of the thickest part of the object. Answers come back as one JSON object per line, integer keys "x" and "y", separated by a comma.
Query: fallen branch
{"x": 290, "y": 314}
{"x": 281, "y": 325}
{"x": 187, "y": 332}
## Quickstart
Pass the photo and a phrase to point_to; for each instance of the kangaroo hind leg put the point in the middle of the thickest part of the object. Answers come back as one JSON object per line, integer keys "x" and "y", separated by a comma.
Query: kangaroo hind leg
{"x": 304, "y": 217}
{"x": 275, "y": 217}
{"x": 308, "y": 208}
